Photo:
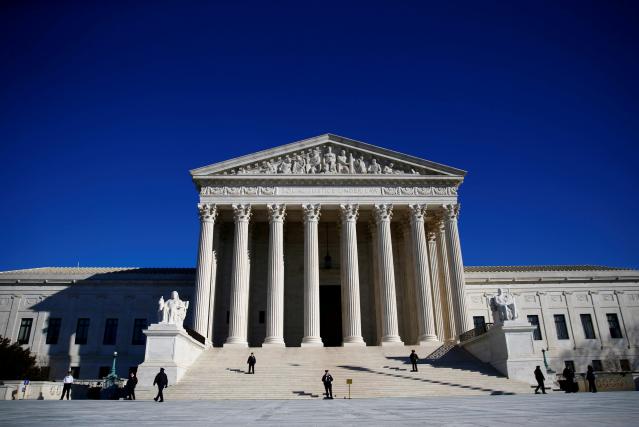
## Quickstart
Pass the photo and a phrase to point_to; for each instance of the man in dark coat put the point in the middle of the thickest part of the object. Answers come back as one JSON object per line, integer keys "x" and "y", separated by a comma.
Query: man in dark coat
{"x": 327, "y": 379}
{"x": 568, "y": 377}
{"x": 130, "y": 386}
{"x": 590, "y": 376}
{"x": 413, "y": 360}
{"x": 162, "y": 382}
{"x": 539, "y": 376}
{"x": 251, "y": 362}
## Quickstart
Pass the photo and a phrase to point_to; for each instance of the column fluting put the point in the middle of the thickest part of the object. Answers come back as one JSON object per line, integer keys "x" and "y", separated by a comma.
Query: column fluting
{"x": 456, "y": 269}
{"x": 445, "y": 288}
{"x": 312, "y": 336}
{"x": 275, "y": 286}
{"x": 203, "y": 284}
{"x": 238, "y": 316}
{"x": 349, "y": 271}
{"x": 421, "y": 273}
{"x": 436, "y": 286}
{"x": 383, "y": 214}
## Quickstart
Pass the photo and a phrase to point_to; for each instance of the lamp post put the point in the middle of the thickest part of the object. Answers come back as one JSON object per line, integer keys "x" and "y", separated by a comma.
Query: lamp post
{"x": 112, "y": 378}
{"x": 550, "y": 371}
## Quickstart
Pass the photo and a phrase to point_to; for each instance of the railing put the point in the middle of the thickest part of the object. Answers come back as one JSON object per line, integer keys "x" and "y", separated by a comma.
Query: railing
{"x": 479, "y": 330}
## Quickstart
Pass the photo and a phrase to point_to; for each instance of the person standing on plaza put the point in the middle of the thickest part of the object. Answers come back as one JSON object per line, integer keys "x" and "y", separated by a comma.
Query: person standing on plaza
{"x": 590, "y": 376}
{"x": 569, "y": 376}
{"x": 130, "y": 386}
{"x": 251, "y": 364}
{"x": 413, "y": 360}
{"x": 327, "y": 379}
{"x": 162, "y": 382}
{"x": 539, "y": 376}
{"x": 66, "y": 387}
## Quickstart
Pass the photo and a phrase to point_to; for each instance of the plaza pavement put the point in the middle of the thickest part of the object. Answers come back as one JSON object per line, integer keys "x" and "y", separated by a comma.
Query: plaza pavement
{"x": 556, "y": 409}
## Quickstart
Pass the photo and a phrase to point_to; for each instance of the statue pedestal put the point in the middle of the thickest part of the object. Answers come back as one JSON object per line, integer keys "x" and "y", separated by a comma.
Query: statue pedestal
{"x": 170, "y": 347}
{"x": 509, "y": 348}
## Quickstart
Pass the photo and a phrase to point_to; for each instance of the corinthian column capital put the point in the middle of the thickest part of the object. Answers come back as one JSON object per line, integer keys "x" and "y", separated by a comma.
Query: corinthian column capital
{"x": 383, "y": 213}
{"x": 311, "y": 212}
{"x": 242, "y": 213}
{"x": 207, "y": 211}
{"x": 349, "y": 212}
{"x": 431, "y": 236}
{"x": 417, "y": 213}
{"x": 276, "y": 213}
{"x": 451, "y": 212}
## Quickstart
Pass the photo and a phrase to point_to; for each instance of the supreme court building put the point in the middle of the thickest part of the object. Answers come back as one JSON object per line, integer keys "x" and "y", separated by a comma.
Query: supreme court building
{"x": 322, "y": 242}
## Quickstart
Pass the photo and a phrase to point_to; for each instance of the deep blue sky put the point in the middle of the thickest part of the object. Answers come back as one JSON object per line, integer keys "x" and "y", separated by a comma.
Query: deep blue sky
{"x": 104, "y": 108}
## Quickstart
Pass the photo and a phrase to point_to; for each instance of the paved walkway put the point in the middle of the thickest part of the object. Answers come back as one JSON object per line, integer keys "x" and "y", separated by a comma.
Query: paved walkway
{"x": 557, "y": 409}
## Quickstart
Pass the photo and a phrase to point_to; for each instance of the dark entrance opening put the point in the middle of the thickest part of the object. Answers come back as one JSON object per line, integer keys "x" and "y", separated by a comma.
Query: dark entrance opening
{"x": 331, "y": 315}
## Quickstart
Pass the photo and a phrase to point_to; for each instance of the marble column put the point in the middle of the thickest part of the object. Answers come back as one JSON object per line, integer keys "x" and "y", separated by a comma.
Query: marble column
{"x": 275, "y": 286}
{"x": 238, "y": 316}
{"x": 421, "y": 273}
{"x": 436, "y": 286}
{"x": 374, "y": 272}
{"x": 456, "y": 270}
{"x": 446, "y": 288}
{"x": 390, "y": 332}
{"x": 201, "y": 301}
{"x": 311, "y": 278}
{"x": 349, "y": 271}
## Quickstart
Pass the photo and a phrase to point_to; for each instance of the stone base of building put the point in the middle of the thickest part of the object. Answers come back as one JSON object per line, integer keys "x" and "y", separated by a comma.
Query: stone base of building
{"x": 509, "y": 349}
{"x": 168, "y": 347}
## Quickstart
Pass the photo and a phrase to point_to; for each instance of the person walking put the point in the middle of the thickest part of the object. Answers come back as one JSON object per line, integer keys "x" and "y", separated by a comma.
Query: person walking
{"x": 251, "y": 362}
{"x": 66, "y": 387}
{"x": 327, "y": 379}
{"x": 130, "y": 386}
{"x": 539, "y": 376}
{"x": 590, "y": 376}
{"x": 413, "y": 360}
{"x": 162, "y": 382}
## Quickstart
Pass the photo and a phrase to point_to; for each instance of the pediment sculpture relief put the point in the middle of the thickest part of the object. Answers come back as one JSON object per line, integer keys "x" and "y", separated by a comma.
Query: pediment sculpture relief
{"x": 323, "y": 160}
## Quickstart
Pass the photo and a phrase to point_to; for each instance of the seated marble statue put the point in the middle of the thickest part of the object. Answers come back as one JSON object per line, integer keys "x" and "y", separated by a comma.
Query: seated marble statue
{"x": 173, "y": 311}
{"x": 503, "y": 307}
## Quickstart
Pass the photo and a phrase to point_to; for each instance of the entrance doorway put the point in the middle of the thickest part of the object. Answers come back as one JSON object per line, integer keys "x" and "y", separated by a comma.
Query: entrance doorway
{"x": 331, "y": 315}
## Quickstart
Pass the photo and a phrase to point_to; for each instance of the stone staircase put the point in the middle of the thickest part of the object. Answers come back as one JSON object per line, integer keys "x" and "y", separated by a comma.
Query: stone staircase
{"x": 295, "y": 373}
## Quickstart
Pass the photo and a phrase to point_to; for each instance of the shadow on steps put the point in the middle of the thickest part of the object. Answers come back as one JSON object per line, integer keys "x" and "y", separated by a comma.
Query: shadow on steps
{"x": 453, "y": 357}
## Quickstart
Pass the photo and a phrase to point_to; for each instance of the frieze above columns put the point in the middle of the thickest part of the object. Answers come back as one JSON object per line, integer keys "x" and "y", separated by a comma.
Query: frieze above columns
{"x": 447, "y": 191}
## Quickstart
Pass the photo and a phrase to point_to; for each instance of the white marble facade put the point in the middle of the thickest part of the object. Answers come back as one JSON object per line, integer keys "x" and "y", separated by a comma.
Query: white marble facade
{"x": 322, "y": 242}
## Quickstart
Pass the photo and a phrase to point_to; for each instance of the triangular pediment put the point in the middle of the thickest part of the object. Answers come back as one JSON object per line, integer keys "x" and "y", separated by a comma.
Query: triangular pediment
{"x": 327, "y": 155}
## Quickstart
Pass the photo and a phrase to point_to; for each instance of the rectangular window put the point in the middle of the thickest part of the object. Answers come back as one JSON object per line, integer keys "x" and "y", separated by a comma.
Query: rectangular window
{"x": 25, "y": 331}
{"x": 625, "y": 365}
{"x": 479, "y": 322}
{"x": 596, "y": 365}
{"x": 82, "y": 331}
{"x": 110, "y": 332}
{"x": 560, "y": 325}
{"x": 589, "y": 330}
{"x": 138, "y": 337}
{"x": 53, "y": 330}
{"x": 262, "y": 316}
{"x": 533, "y": 319}
{"x": 613, "y": 324}
{"x": 103, "y": 371}
{"x": 570, "y": 364}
